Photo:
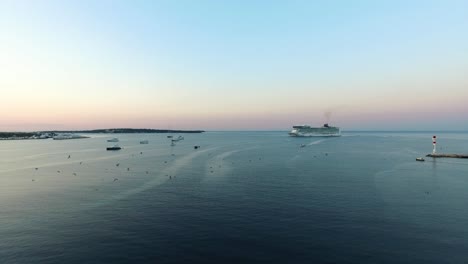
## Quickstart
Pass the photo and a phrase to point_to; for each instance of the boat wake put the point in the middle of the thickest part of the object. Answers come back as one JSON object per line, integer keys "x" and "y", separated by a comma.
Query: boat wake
{"x": 316, "y": 142}
{"x": 218, "y": 166}
{"x": 164, "y": 175}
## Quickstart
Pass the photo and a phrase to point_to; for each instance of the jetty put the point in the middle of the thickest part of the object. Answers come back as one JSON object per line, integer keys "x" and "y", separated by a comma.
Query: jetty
{"x": 434, "y": 154}
{"x": 441, "y": 155}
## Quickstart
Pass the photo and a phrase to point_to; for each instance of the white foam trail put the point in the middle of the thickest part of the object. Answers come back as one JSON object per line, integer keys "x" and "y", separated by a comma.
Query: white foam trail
{"x": 160, "y": 179}
{"x": 67, "y": 162}
{"x": 48, "y": 154}
{"x": 218, "y": 165}
{"x": 111, "y": 156}
{"x": 316, "y": 142}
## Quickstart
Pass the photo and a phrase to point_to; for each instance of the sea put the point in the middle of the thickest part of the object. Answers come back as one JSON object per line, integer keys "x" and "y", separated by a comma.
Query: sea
{"x": 242, "y": 197}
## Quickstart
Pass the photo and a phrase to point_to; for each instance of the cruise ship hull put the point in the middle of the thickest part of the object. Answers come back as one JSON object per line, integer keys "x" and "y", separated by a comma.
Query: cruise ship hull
{"x": 313, "y": 135}
{"x": 307, "y": 131}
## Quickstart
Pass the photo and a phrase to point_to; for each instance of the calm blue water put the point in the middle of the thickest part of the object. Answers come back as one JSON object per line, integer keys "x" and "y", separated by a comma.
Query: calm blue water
{"x": 243, "y": 197}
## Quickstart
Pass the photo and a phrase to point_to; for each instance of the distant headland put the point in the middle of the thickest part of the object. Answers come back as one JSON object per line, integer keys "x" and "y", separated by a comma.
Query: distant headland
{"x": 52, "y": 133}
{"x": 125, "y": 130}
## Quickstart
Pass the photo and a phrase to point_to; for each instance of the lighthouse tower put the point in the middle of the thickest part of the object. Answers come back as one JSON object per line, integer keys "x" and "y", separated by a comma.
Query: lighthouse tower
{"x": 434, "y": 144}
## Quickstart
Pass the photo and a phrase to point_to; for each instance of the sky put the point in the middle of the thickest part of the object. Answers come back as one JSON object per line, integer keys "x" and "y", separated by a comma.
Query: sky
{"x": 233, "y": 65}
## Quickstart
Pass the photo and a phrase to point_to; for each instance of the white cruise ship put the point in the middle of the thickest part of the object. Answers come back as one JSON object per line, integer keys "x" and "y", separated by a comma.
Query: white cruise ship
{"x": 308, "y": 131}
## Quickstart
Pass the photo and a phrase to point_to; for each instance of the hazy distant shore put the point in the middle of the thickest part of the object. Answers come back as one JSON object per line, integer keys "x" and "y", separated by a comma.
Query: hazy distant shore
{"x": 124, "y": 130}
{"x": 20, "y": 135}
{"x": 52, "y": 133}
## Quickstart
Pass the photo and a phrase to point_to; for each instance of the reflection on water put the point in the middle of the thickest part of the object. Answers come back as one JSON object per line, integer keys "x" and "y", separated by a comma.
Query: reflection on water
{"x": 243, "y": 196}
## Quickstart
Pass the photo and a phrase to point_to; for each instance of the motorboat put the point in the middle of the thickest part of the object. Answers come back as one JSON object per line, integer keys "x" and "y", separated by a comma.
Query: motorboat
{"x": 115, "y": 147}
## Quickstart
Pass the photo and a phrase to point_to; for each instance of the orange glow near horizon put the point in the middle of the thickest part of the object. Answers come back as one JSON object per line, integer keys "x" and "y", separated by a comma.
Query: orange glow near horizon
{"x": 81, "y": 70}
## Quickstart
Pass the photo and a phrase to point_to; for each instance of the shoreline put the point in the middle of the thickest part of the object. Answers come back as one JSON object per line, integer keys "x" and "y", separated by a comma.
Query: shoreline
{"x": 56, "y": 133}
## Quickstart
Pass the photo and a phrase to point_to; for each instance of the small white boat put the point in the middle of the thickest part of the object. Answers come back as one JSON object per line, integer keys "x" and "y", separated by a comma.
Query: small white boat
{"x": 144, "y": 142}
{"x": 419, "y": 159}
{"x": 113, "y": 140}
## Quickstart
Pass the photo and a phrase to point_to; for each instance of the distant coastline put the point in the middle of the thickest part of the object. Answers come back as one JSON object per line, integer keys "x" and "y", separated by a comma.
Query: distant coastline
{"x": 124, "y": 130}
{"x": 52, "y": 133}
{"x": 20, "y": 135}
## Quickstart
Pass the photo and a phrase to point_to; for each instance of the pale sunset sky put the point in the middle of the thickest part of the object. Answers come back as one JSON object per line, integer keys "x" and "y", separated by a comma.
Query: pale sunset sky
{"x": 233, "y": 65}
